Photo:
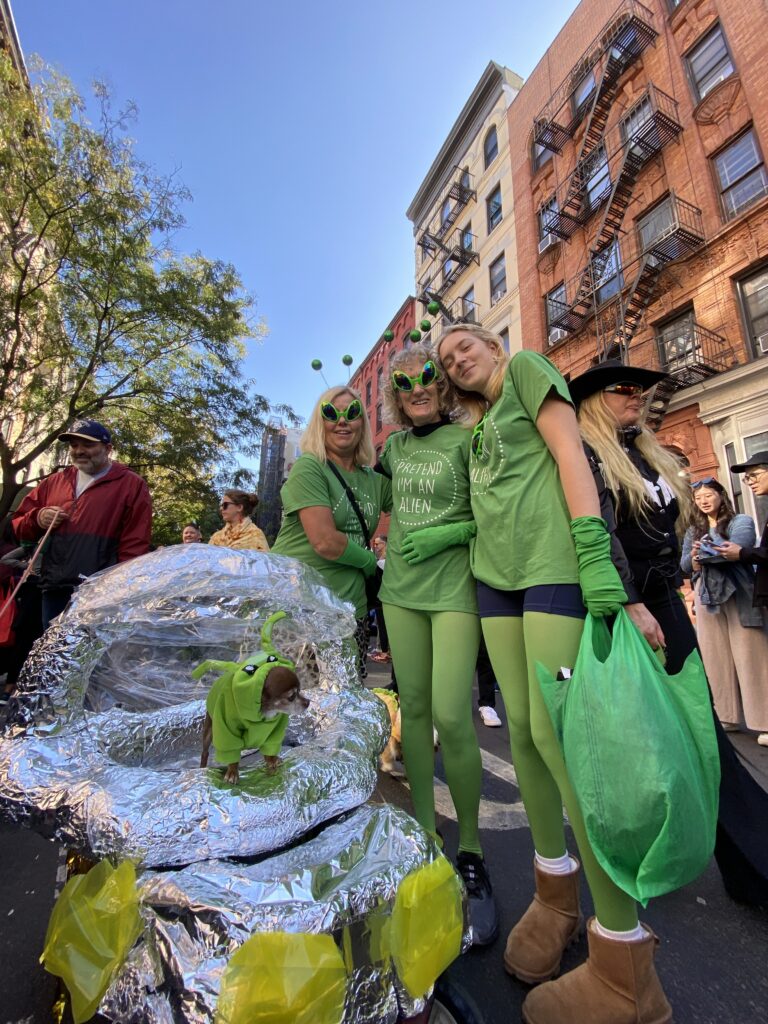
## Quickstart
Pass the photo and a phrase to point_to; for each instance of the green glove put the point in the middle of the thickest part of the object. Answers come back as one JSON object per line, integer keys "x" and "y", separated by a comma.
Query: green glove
{"x": 358, "y": 557}
{"x": 601, "y": 586}
{"x": 431, "y": 540}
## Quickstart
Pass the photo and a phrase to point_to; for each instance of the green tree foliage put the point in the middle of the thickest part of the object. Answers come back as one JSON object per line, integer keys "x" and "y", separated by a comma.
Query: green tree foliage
{"x": 102, "y": 316}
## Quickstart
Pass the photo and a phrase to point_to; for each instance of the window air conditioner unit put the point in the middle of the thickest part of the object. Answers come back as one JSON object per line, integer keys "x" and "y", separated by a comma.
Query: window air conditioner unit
{"x": 547, "y": 242}
{"x": 498, "y": 294}
{"x": 762, "y": 342}
{"x": 557, "y": 334}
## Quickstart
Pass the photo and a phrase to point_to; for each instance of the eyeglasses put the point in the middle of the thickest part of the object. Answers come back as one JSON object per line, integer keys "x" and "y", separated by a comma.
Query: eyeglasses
{"x": 353, "y": 411}
{"x": 226, "y": 504}
{"x": 625, "y": 388}
{"x": 477, "y": 444}
{"x": 402, "y": 382}
{"x": 754, "y": 474}
{"x": 706, "y": 481}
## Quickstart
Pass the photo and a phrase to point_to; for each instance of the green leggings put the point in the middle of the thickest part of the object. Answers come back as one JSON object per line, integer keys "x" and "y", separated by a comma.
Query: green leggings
{"x": 434, "y": 656}
{"x": 515, "y": 644}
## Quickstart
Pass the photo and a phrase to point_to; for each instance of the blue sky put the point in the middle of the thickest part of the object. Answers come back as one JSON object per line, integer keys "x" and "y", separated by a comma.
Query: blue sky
{"x": 303, "y": 131}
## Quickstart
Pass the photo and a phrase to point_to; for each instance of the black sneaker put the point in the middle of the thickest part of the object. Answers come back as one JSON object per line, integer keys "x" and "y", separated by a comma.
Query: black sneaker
{"x": 483, "y": 915}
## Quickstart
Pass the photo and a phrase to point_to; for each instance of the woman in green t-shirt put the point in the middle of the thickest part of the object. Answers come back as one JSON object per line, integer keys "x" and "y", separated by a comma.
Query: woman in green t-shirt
{"x": 541, "y": 554}
{"x": 321, "y": 525}
{"x": 428, "y": 597}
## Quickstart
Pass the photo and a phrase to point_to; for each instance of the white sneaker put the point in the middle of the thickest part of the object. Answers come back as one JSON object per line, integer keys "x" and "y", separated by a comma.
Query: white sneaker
{"x": 490, "y": 718}
{"x": 762, "y": 739}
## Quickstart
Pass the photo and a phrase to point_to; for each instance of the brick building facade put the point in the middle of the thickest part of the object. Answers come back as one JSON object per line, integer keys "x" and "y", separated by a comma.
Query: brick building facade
{"x": 370, "y": 375}
{"x": 641, "y": 210}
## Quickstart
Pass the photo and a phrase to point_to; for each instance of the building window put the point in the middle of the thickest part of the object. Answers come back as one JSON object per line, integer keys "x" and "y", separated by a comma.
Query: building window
{"x": 493, "y": 208}
{"x": 741, "y": 175}
{"x": 498, "y": 275}
{"x": 547, "y": 216}
{"x": 504, "y": 335}
{"x": 468, "y": 306}
{"x": 368, "y": 395}
{"x": 445, "y": 212}
{"x": 754, "y": 300}
{"x": 490, "y": 146}
{"x": 540, "y": 155}
{"x": 656, "y": 223}
{"x": 582, "y": 94}
{"x": 554, "y": 307}
{"x": 678, "y": 345}
{"x": 407, "y": 340}
{"x": 448, "y": 268}
{"x": 597, "y": 176}
{"x": 378, "y": 417}
{"x": 608, "y": 280}
{"x": 466, "y": 237}
{"x": 631, "y": 124}
{"x": 709, "y": 63}
{"x": 379, "y": 380}
{"x": 465, "y": 180}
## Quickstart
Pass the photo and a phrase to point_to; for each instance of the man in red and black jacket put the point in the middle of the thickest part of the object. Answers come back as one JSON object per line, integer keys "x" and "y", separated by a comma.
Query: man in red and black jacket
{"x": 100, "y": 510}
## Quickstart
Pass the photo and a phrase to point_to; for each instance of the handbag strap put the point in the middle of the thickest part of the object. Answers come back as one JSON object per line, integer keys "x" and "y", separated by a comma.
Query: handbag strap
{"x": 352, "y": 502}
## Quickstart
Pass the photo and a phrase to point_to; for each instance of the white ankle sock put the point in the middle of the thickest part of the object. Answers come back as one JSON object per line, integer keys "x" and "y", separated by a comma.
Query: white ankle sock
{"x": 564, "y": 865}
{"x": 636, "y": 934}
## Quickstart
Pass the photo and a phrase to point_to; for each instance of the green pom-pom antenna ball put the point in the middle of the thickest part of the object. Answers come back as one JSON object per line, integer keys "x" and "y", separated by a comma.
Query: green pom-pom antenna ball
{"x": 433, "y": 308}
{"x": 426, "y": 325}
{"x": 347, "y": 360}
{"x": 389, "y": 335}
{"x": 317, "y": 364}
{"x": 415, "y": 335}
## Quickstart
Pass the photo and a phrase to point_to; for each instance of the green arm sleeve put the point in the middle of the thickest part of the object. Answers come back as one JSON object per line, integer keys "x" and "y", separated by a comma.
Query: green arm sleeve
{"x": 358, "y": 557}
{"x": 600, "y": 583}
{"x": 423, "y": 544}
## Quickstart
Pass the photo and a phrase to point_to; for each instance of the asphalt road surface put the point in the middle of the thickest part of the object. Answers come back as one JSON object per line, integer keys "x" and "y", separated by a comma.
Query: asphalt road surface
{"x": 712, "y": 960}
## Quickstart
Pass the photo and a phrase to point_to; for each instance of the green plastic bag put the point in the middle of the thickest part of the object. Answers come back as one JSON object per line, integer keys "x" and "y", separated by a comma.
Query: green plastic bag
{"x": 641, "y": 753}
{"x": 94, "y": 923}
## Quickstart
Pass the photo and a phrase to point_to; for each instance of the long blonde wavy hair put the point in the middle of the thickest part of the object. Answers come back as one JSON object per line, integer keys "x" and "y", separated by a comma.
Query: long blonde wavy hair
{"x": 473, "y": 403}
{"x": 312, "y": 441}
{"x": 599, "y": 429}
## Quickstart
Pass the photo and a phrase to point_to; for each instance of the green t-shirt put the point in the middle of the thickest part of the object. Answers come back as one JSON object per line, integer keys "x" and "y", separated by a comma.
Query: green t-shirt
{"x": 311, "y": 483}
{"x": 430, "y": 487}
{"x": 523, "y": 524}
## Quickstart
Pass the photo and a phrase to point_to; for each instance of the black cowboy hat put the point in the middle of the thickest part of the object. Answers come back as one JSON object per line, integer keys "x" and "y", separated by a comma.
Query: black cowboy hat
{"x": 612, "y": 371}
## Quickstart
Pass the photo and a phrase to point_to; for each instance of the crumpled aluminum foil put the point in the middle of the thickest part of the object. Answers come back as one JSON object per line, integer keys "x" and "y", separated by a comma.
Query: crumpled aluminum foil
{"x": 102, "y": 742}
{"x": 343, "y": 880}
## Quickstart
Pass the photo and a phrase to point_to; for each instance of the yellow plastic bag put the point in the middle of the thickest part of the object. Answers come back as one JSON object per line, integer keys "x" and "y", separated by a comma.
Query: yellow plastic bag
{"x": 94, "y": 923}
{"x": 283, "y": 978}
{"x": 427, "y": 925}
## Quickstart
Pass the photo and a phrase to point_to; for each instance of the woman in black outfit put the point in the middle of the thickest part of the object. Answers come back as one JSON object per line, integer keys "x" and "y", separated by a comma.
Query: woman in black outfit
{"x": 643, "y": 498}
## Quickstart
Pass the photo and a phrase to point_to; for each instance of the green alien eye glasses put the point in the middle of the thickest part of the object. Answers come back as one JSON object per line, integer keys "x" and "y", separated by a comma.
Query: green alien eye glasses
{"x": 402, "y": 382}
{"x": 477, "y": 444}
{"x": 353, "y": 411}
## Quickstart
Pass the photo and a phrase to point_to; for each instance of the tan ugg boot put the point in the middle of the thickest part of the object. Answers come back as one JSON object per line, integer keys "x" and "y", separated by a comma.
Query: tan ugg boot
{"x": 617, "y": 985}
{"x": 550, "y": 924}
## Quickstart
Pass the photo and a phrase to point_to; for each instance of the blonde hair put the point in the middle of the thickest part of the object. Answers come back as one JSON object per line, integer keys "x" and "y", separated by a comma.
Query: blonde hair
{"x": 312, "y": 441}
{"x": 599, "y": 429}
{"x": 473, "y": 403}
{"x": 393, "y": 406}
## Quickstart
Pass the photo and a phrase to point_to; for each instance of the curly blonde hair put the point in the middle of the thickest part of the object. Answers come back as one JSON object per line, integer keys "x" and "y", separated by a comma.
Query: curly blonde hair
{"x": 599, "y": 429}
{"x": 312, "y": 441}
{"x": 474, "y": 404}
{"x": 393, "y": 406}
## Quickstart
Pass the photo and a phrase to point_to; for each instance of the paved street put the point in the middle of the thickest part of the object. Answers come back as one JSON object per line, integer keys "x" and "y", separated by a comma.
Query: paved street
{"x": 712, "y": 957}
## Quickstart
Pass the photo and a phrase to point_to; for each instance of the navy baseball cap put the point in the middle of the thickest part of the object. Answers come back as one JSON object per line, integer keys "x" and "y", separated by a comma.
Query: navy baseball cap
{"x": 758, "y": 459}
{"x": 89, "y": 430}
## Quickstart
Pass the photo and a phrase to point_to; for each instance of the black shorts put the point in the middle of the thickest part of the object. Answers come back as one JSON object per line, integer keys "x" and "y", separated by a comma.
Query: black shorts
{"x": 551, "y": 598}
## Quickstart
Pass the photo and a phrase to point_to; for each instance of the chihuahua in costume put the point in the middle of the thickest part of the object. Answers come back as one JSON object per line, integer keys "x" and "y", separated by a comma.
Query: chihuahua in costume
{"x": 248, "y": 706}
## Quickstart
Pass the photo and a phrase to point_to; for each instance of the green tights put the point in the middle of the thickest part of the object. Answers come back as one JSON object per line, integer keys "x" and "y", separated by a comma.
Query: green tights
{"x": 515, "y": 644}
{"x": 434, "y": 656}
